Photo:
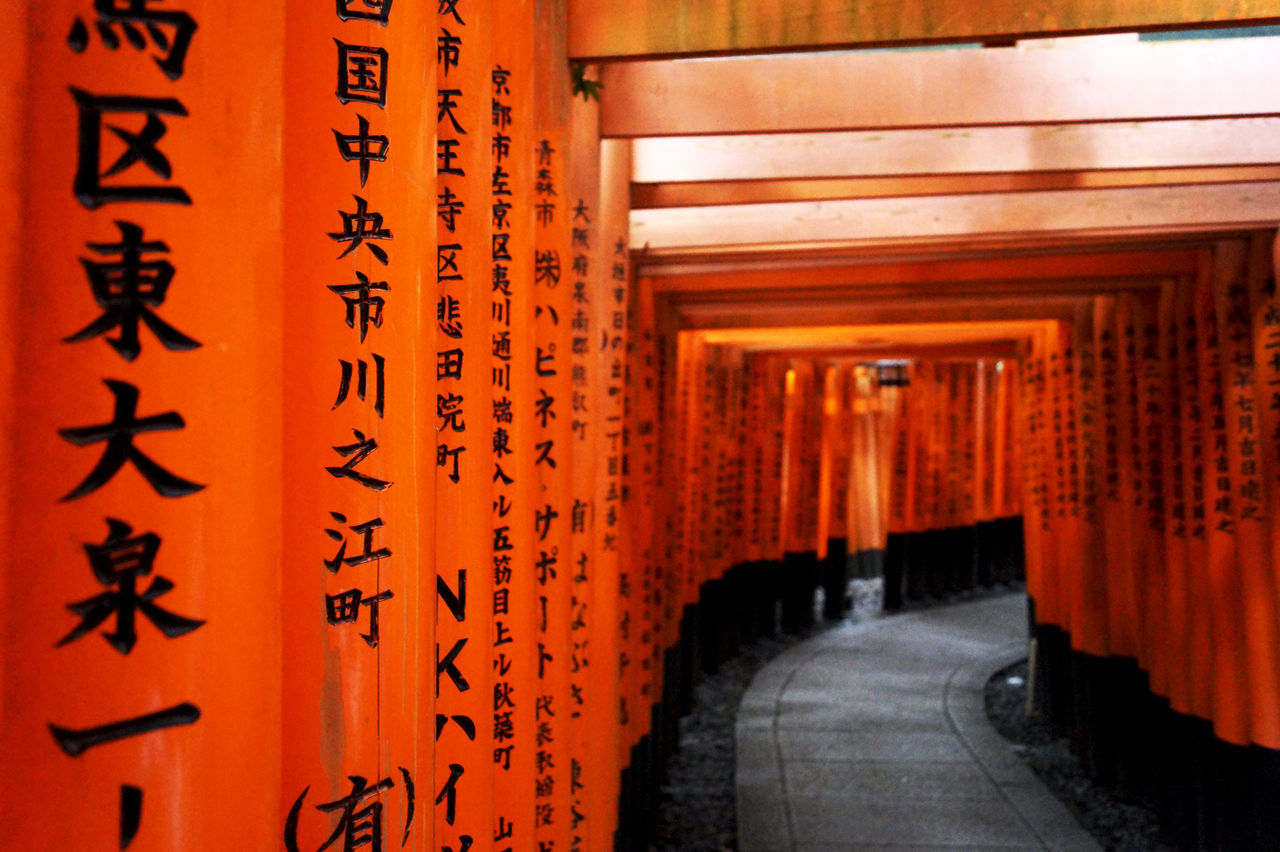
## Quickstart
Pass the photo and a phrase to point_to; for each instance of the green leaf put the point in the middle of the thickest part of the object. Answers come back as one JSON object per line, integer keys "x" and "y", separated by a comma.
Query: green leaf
{"x": 589, "y": 89}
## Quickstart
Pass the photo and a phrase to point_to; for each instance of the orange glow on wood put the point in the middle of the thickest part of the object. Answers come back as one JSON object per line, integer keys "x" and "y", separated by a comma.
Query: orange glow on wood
{"x": 1215, "y": 78}
{"x": 602, "y": 30}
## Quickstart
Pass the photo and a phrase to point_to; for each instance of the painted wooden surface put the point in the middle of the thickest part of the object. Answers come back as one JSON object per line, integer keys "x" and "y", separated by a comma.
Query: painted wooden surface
{"x": 602, "y": 30}
{"x": 952, "y": 88}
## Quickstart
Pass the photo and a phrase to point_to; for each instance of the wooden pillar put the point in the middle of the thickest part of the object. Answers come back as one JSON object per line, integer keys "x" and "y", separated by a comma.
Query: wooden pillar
{"x": 1118, "y": 555}
{"x": 358, "y": 512}
{"x": 613, "y": 591}
{"x": 142, "y": 526}
{"x": 1252, "y": 534}
{"x": 1230, "y": 689}
{"x": 469, "y": 555}
{"x": 552, "y": 424}
{"x": 517, "y": 706}
{"x": 594, "y": 735}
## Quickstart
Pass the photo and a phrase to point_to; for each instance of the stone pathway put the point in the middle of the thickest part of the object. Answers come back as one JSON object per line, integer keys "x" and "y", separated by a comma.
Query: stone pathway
{"x": 873, "y": 736}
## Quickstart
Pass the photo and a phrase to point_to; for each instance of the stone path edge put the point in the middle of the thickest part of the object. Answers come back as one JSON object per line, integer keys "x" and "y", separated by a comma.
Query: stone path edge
{"x": 1044, "y": 815}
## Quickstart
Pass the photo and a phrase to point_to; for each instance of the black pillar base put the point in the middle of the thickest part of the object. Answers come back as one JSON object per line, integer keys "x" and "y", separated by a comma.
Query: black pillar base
{"x": 895, "y": 565}
{"x": 835, "y": 580}
{"x": 1207, "y": 793}
{"x": 800, "y": 580}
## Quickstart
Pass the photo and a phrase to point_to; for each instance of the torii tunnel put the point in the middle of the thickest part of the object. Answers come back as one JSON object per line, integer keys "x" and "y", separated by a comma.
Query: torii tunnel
{"x": 406, "y": 402}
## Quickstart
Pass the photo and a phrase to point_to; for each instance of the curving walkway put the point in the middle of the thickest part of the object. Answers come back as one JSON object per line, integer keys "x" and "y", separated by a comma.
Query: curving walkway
{"x": 873, "y": 736}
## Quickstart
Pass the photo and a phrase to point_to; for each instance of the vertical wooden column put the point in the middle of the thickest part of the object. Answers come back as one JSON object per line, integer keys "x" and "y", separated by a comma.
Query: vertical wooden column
{"x": 1092, "y": 617}
{"x": 469, "y": 556}
{"x": 552, "y": 416}
{"x": 1154, "y": 578}
{"x": 142, "y": 514}
{"x": 800, "y": 510}
{"x": 1058, "y": 558}
{"x": 593, "y": 710}
{"x": 941, "y": 482}
{"x": 842, "y": 426}
{"x": 878, "y": 428}
{"x": 1230, "y": 691}
{"x": 1035, "y": 473}
{"x": 1240, "y": 403}
{"x": 1195, "y": 449}
{"x": 1260, "y": 493}
{"x": 969, "y": 480}
{"x": 13, "y": 105}
{"x": 1133, "y": 462}
{"x": 1172, "y": 298}
{"x": 773, "y": 479}
{"x": 517, "y": 708}
{"x": 641, "y": 484}
{"x": 752, "y": 452}
{"x": 919, "y": 419}
{"x": 1117, "y": 545}
{"x": 829, "y": 374}
{"x": 901, "y": 497}
{"x": 613, "y": 591}
{"x": 358, "y": 509}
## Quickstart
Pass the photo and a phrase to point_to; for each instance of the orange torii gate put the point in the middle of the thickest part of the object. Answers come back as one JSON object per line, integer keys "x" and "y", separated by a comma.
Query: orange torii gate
{"x": 451, "y": 583}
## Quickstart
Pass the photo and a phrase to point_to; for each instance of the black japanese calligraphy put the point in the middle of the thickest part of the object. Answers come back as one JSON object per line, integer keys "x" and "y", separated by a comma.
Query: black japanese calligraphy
{"x": 118, "y": 562}
{"x": 76, "y": 742}
{"x": 362, "y": 74}
{"x": 119, "y": 435}
{"x": 362, "y": 147}
{"x": 140, "y": 147}
{"x": 127, "y": 289}
{"x": 170, "y": 32}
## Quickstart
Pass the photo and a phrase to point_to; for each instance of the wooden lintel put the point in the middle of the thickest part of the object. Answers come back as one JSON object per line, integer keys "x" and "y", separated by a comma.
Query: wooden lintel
{"x": 608, "y": 30}
{"x": 768, "y": 318}
{"x": 862, "y": 351}
{"x": 1059, "y": 212}
{"x": 841, "y": 335}
{"x": 951, "y": 272}
{"x": 711, "y": 193}
{"x": 947, "y": 88}
{"x": 975, "y": 150}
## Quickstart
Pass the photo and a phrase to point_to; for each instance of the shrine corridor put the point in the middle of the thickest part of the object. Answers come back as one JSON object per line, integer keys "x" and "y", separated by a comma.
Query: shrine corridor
{"x": 404, "y": 404}
{"x": 872, "y": 736}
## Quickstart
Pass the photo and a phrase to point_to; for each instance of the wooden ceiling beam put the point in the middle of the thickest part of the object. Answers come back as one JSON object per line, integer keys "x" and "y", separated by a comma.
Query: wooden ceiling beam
{"x": 645, "y": 196}
{"x": 841, "y": 335}
{"x": 1219, "y": 78}
{"x": 1142, "y": 210}
{"x": 768, "y": 318}
{"x": 608, "y": 30}
{"x": 1031, "y": 269}
{"x": 975, "y": 150}
{"x": 965, "y": 351}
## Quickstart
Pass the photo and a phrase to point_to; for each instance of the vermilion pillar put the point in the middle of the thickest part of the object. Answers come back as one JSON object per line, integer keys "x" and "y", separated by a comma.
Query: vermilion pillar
{"x": 142, "y": 513}
{"x": 470, "y": 550}
{"x": 553, "y": 433}
{"x": 357, "y": 595}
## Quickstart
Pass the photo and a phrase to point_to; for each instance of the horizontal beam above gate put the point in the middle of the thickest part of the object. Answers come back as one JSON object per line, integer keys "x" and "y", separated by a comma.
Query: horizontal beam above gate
{"x": 606, "y": 29}
{"x": 715, "y": 193}
{"x": 766, "y": 318}
{"x": 832, "y": 336}
{"x": 1057, "y": 212}
{"x": 947, "y": 272}
{"x": 975, "y": 150}
{"x": 1218, "y": 78}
